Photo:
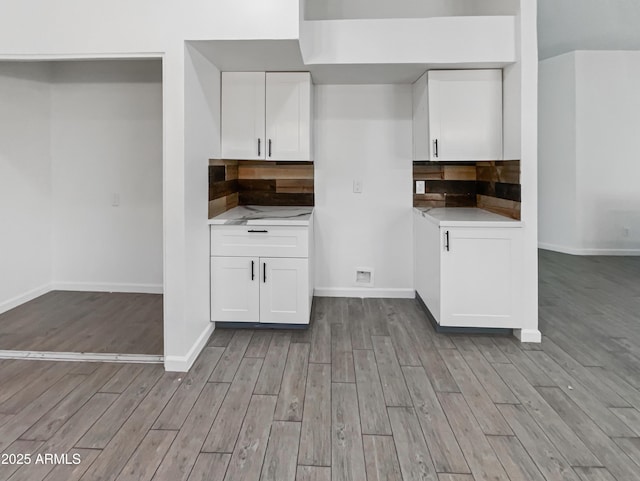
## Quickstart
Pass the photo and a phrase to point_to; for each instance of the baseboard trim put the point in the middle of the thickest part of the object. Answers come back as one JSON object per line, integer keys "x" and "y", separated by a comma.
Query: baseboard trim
{"x": 364, "y": 292}
{"x": 81, "y": 357}
{"x": 26, "y": 297}
{"x": 114, "y": 287}
{"x": 588, "y": 252}
{"x": 184, "y": 363}
{"x": 528, "y": 335}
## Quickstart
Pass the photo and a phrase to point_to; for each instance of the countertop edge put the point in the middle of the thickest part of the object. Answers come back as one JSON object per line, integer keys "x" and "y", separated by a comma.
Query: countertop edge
{"x": 507, "y": 223}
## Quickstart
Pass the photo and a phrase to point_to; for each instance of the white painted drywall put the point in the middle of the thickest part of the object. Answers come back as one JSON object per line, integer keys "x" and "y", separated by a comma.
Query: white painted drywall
{"x": 363, "y": 132}
{"x": 343, "y": 9}
{"x": 568, "y": 25}
{"x": 106, "y": 141}
{"x": 608, "y": 150}
{"x": 557, "y": 153}
{"x": 589, "y": 123}
{"x": 115, "y": 28}
{"x": 25, "y": 182}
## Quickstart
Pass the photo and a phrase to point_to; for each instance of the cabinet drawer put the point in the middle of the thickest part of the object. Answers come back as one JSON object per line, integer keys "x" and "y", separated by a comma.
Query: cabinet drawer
{"x": 259, "y": 241}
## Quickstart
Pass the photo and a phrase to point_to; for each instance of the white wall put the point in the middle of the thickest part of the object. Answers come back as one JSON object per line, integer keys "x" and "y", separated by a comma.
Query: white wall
{"x": 106, "y": 140}
{"x": 608, "y": 150}
{"x": 363, "y": 132}
{"x": 589, "y": 144}
{"x": 114, "y": 28}
{"x": 339, "y": 9}
{"x": 557, "y": 153}
{"x": 25, "y": 182}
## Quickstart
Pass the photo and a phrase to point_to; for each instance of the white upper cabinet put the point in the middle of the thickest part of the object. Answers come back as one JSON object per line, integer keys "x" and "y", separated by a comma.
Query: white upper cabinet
{"x": 243, "y": 115}
{"x": 266, "y": 116}
{"x": 288, "y": 116}
{"x": 458, "y": 115}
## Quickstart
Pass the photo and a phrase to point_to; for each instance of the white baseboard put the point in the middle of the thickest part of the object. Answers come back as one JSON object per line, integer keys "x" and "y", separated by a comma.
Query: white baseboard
{"x": 588, "y": 252}
{"x": 184, "y": 363}
{"x": 26, "y": 297}
{"x": 528, "y": 335}
{"x": 114, "y": 287}
{"x": 80, "y": 356}
{"x": 364, "y": 292}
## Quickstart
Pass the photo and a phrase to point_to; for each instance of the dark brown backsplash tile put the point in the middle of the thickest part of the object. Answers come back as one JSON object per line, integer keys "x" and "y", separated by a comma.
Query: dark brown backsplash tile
{"x": 246, "y": 182}
{"x": 493, "y": 185}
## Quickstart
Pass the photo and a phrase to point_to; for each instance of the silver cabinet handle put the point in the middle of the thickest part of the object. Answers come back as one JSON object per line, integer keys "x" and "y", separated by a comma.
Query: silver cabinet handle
{"x": 435, "y": 148}
{"x": 446, "y": 243}
{"x": 264, "y": 272}
{"x": 269, "y": 147}
{"x": 258, "y": 147}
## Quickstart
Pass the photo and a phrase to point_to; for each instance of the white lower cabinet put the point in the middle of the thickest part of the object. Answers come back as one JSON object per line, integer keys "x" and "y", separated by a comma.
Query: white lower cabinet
{"x": 469, "y": 276}
{"x": 260, "y": 287}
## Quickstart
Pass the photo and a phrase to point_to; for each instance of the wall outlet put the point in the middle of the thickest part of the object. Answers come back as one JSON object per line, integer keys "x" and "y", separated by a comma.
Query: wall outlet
{"x": 115, "y": 200}
{"x": 420, "y": 187}
{"x": 364, "y": 276}
{"x": 357, "y": 187}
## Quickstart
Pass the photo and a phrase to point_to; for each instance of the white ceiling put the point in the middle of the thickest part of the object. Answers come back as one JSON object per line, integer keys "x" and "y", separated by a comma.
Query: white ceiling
{"x": 567, "y": 25}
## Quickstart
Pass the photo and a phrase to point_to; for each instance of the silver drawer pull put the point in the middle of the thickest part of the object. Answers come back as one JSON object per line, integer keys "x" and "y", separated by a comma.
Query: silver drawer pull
{"x": 253, "y": 231}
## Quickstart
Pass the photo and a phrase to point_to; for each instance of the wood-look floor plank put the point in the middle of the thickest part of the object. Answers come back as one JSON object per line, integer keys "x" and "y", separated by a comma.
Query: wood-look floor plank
{"x": 455, "y": 477}
{"x": 393, "y": 385}
{"x": 73, "y": 472}
{"x": 99, "y": 435}
{"x": 373, "y": 413}
{"x": 594, "y": 474}
{"x": 531, "y": 371}
{"x": 436, "y": 369}
{"x": 315, "y": 438}
{"x": 489, "y": 350}
{"x": 208, "y": 467}
{"x": 597, "y": 441}
{"x": 121, "y": 380}
{"x": 259, "y": 344}
{"x": 347, "y": 458}
{"x": 29, "y": 378}
{"x": 342, "y": 369}
{"x": 607, "y": 420}
{"x": 631, "y": 447}
{"x": 178, "y": 408}
{"x": 515, "y": 459}
{"x": 403, "y": 343}
{"x": 56, "y": 417}
{"x": 381, "y": 459}
{"x": 182, "y": 454}
{"x": 224, "y": 432}
{"x": 291, "y": 397}
{"x": 271, "y": 375}
{"x": 480, "y": 403}
{"x": 313, "y": 473}
{"x": 282, "y": 451}
{"x": 631, "y": 417}
{"x": 248, "y": 455}
{"x": 17, "y": 448}
{"x": 482, "y": 460}
{"x": 444, "y": 448}
{"x": 543, "y": 452}
{"x": 564, "y": 438}
{"x": 117, "y": 452}
{"x": 358, "y": 327}
{"x": 32, "y": 387}
{"x": 17, "y": 425}
{"x": 147, "y": 457}
{"x": 221, "y": 337}
{"x": 413, "y": 454}
{"x": 227, "y": 366}
{"x": 321, "y": 332}
{"x": 66, "y": 436}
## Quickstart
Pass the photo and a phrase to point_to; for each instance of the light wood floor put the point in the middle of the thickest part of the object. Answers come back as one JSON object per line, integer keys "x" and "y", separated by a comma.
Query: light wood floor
{"x": 98, "y": 322}
{"x": 369, "y": 393}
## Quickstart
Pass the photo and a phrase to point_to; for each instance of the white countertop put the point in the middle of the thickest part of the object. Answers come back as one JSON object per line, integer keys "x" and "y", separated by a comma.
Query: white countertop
{"x": 466, "y": 217}
{"x": 264, "y": 215}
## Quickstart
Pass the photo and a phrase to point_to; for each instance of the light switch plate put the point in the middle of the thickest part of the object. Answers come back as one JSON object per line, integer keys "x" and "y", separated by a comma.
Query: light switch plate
{"x": 420, "y": 187}
{"x": 357, "y": 187}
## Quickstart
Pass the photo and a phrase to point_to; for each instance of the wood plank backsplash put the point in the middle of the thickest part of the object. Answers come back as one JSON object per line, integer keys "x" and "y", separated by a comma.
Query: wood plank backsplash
{"x": 248, "y": 182}
{"x": 494, "y": 186}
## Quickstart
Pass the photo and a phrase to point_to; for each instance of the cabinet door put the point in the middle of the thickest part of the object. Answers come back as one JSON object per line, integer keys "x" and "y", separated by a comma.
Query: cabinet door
{"x": 421, "y": 119}
{"x": 481, "y": 276}
{"x": 243, "y": 115}
{"x": 465, "y": 114}
{"x": 235, "y": 289}
{"x": 284, "y": 290}
{"x": 288, "y": 116}
{"x": 427, "y": 262}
